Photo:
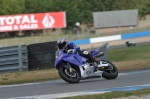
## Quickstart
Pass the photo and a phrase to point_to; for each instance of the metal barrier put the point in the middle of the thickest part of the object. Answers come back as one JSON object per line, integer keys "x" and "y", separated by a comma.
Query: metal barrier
{"x": 14, "y": 58}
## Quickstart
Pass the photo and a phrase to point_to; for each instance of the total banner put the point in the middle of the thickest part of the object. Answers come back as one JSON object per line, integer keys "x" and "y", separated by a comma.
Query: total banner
{"x": 32, "y": 21}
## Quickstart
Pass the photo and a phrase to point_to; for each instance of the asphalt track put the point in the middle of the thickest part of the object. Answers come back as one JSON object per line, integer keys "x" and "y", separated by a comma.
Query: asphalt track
{"x": 60, "y": 86}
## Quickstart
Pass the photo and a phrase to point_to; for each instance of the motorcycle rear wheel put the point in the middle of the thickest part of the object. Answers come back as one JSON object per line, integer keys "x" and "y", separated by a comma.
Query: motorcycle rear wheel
{"x": 110, "y": 74}
{"x": 73, "y": 77}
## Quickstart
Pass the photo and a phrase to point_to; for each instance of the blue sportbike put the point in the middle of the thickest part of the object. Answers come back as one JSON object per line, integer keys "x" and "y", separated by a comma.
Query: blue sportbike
{"x": 72, "y": 67}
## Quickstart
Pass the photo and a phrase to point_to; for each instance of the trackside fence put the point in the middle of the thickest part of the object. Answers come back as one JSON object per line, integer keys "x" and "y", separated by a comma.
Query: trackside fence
{"x": 14, "y": 58}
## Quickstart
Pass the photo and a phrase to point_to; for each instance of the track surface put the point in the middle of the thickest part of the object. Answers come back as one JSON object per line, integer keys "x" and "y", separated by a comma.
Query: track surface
{"x": 60, "y": 86}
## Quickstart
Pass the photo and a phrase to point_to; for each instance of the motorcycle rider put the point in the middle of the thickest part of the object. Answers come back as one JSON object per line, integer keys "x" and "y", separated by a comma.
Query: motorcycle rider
{"x": 65, "y": 45}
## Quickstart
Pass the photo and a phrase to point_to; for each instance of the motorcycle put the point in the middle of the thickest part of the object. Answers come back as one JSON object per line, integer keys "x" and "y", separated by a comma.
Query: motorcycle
{"x": 72, "y": 67}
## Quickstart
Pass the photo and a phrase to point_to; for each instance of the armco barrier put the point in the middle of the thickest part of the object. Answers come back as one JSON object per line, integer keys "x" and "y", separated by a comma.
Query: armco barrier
{"x": 112, "y": 38}
{"x": 13, "y": 58}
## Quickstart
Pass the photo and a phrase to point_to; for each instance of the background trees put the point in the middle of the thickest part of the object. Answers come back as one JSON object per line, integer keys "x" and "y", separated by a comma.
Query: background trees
{"x": 76, "y": 10}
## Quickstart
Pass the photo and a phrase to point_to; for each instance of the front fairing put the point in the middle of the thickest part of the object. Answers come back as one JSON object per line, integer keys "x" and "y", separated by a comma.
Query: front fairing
{"x": 69, "y": 58}
{"x": 75, "y": 59}
{"x": 58, "y": 55}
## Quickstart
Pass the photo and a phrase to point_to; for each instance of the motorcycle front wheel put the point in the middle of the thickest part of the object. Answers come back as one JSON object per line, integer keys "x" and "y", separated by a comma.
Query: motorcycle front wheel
{"x": 111, "y": 72}
{"x": 70, "y": 77}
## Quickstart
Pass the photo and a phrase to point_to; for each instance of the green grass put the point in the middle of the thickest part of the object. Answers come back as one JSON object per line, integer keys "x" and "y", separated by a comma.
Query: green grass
{"x": 129, "y": 53}
{"x": 112, "y": 95}
{"x": 28, "y": 76}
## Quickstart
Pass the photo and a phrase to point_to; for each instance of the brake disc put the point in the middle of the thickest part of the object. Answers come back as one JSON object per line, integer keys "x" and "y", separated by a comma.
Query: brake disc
{"x": 71, "y": 74}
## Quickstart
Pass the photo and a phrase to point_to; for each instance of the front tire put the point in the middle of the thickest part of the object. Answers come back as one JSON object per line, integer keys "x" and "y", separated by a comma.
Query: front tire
{"x": 110, "y": 74}
{"x": 70, "y": 78}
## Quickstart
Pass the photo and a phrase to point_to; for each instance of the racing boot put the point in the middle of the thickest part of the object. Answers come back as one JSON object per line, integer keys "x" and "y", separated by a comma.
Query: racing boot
{"x": 96, "y": 62}
{"x": 96, "y": 58}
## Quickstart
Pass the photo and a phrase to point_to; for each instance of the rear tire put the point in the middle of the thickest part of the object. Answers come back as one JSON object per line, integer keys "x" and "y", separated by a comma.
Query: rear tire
{"x": 110, "y": 74}
{"x": 64, "y": 75}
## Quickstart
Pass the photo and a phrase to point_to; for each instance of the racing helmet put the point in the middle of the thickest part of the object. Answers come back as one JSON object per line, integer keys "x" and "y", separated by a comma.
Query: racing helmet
{"x": 62, "y": 43}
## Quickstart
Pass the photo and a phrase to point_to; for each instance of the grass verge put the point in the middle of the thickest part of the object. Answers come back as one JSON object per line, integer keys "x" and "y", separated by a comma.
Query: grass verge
{"x": 26, "y": 77}
{"x": 129, "y": 53}
{"x": 126, "y": 59}
{"x": 113, "y": 95}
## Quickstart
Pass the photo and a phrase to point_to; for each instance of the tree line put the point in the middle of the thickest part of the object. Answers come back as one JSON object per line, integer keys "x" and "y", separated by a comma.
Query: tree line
{"x": 76, "y": 10}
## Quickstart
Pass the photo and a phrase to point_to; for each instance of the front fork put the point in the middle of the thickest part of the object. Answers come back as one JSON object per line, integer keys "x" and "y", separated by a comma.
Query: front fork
{"x": 68, "y": 66}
